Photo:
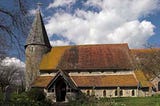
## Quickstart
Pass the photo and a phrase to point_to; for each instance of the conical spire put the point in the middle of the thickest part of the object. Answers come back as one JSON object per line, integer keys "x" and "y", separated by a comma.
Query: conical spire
{"x": 38, "y": 35}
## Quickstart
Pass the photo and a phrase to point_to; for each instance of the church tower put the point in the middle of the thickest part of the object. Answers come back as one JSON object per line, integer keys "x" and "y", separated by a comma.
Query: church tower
{"x": 37, "y": 45}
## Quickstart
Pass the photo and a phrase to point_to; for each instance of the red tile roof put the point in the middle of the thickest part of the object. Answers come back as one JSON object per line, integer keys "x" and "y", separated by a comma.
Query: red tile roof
{"x": 105, "y": 81}
{"x": 127, "y": 80}
{"x": 104, "y": 56}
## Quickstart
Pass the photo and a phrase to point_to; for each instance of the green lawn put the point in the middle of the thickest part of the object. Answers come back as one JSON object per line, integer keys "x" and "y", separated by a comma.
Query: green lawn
{"x": 127, "y": 101}
{"x": 136, "y": 101}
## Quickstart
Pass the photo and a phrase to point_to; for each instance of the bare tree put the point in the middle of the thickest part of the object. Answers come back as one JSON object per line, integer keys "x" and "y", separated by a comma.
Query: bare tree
{"x": 151, "y": 62}
{"x": 11, "y": 75}
{"x": 13, "y": 25}
{"x": 148, "y": 60}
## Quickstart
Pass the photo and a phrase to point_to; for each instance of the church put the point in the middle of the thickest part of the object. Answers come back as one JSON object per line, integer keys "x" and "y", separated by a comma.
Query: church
{"x": 100, "y": 70}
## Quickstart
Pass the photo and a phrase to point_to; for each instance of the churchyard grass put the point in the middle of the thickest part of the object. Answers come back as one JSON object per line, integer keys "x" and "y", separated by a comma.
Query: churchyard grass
{"x": 122, "y": 101}
{"x": 137, "y": 101}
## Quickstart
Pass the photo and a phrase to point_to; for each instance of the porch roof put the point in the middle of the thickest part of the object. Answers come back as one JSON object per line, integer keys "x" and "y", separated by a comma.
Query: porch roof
{"x": 42, "y": 81}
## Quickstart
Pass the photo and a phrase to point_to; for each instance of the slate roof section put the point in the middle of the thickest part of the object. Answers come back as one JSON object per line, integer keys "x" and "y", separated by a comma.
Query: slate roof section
{"x": 105, "y": 81}
{"x": 103, "y": 56}
{"x": 38, "y": 34}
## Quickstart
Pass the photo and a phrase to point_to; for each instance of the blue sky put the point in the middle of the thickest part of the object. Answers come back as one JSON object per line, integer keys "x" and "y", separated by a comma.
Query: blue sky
{"x": 69, "y": 22}
{"x": 101, "y": 21}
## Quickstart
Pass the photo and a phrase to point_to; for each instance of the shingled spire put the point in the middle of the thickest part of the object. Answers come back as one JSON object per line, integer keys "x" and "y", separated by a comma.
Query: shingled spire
{"x": 37, "y": 45}
{"x": 38, "y": 34}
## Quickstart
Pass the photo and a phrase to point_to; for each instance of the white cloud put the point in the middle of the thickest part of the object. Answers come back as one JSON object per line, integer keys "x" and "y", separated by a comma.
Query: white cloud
{"x": 58, "y": 3}
{"x": 13, "y": 61}
{"x": 117, "y": 22}
{"x": 59, "y": 43}
{"x": 135, "y": 33}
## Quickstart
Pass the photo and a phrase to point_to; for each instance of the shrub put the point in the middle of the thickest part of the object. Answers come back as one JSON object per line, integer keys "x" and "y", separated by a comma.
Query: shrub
{"x": 34, "y": 97}
{"x": 36, "y": 94}
{"x": 39, "y": 97}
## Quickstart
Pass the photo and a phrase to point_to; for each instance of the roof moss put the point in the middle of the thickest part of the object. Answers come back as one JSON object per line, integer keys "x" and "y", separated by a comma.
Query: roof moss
{"x": 142, "y": 79}
{"x": 52, "y": 59}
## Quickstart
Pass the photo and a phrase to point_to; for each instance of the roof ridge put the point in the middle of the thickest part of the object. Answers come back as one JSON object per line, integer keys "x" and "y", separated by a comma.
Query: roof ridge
{"x": 91, "y": 45}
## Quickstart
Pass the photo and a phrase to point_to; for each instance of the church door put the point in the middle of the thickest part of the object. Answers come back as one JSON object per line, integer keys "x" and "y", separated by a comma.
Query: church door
{"x": 60, "y": 90}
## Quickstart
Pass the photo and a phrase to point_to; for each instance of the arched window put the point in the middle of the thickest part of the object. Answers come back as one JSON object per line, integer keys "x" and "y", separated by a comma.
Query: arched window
{"x": 88, "y": 92}
{"x": 104, "y": 93}
{"x": 121, "y": 93}
{"x": 116, "y": 93}
{"x": 159, "y": 86}
{"x": 133, "y": 93}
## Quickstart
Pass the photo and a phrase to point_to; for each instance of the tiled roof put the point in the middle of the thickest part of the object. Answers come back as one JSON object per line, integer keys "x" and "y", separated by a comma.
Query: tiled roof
{"x": 142, "y": 79}
{"x": 142, "y": 52}
{"x": 127, "y": 80}
{"x": 42, "y": 81}
{"x": 105, "y": 81}
{"x": 62, "y": 74}
{"x": 104, "y": 56}
{"x": 52, "y": 59}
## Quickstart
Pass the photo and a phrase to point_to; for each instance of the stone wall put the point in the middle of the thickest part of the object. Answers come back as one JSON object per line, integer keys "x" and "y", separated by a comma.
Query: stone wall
{"x": 100, "y": 73}
{"x": 52, "y": 96}
{"x": 100, "y": 93}
{"x": 92, "y": 73}
{"x": 111, "y": 92}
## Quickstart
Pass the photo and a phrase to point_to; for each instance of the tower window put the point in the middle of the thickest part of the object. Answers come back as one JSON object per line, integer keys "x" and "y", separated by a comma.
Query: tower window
{"x": 104, "y": 93}
{"x": 32, "y": 49}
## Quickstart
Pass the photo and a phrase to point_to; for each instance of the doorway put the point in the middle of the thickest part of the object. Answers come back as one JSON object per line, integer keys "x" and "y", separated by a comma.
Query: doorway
{"x": 60, "y": 90}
